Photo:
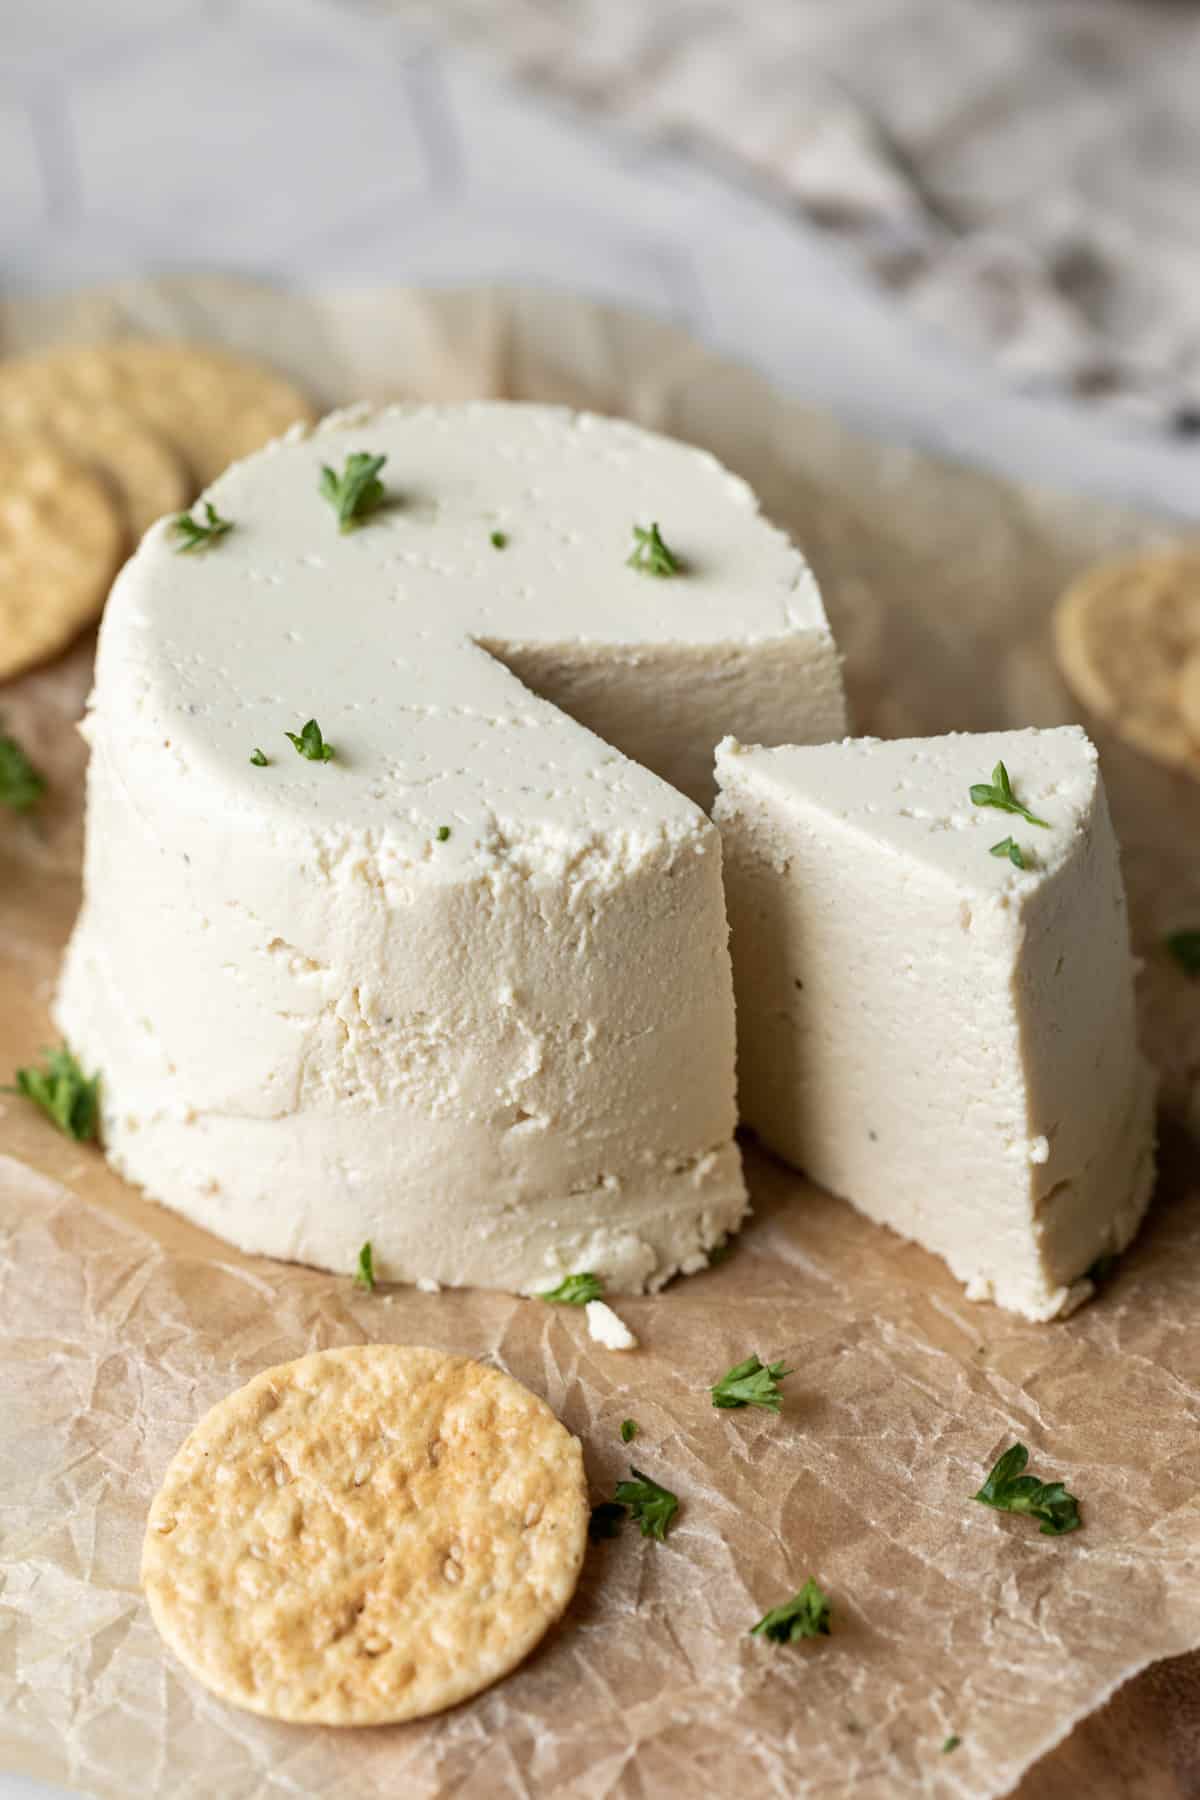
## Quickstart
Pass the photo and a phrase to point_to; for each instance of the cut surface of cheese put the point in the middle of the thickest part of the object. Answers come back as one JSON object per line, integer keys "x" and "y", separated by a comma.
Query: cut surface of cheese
{"x": 463, "y": 989}
{"x": 939, "y": 1035}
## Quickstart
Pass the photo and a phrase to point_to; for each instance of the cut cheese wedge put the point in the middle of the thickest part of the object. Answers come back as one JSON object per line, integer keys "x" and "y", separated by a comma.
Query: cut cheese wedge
{"x": 464, "y": 988}
{"x": 928, "y": 1029}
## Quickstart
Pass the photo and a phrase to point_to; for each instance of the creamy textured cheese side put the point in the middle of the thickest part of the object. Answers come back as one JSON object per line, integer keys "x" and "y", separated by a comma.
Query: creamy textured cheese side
{"x": 464, "y": 989}
{"x": 939, "y": 1035}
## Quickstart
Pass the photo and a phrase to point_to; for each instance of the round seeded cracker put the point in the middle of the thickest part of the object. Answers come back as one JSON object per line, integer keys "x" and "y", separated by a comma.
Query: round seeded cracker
{"x": 144, "y": 473}
{"x": 211, "y": 407}
{"x": 1128, "y": 638}
{"x": 61, "y": 537}
{"x": 365, "y": 1536}
{"x": 1189, "y": 697}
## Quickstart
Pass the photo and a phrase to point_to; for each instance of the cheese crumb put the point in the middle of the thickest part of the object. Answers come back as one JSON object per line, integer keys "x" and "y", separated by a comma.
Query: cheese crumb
{"x": 428, "y": 1285}
{"x": 607, "y": 1329}
{"x": 1039, "y": 1150}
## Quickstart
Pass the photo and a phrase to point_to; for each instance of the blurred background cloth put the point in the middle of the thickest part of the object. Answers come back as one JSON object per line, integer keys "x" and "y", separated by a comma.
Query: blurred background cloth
{"x": 1025, "y": 173}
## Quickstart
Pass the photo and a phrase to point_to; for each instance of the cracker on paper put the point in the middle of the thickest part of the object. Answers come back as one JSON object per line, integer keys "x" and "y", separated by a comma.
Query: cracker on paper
{"x": 210, "y": 407}
{"x": 1128, "y": 638}
{"x": 146, "y": 475}
{"x": 1189, "y": 696}
{"x": 61, "y": 537}
{"x": 366, "y": 1535}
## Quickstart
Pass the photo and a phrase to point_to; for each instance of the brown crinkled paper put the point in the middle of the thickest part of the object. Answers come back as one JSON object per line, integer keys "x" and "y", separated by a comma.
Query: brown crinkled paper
{"x": 120, "y": 1324}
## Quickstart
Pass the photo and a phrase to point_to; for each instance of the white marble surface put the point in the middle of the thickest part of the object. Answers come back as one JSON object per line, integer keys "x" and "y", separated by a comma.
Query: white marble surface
{"x": 297, "y": 140}
{"x": 1021, "y": 176}
{"x": 313, "y": 142}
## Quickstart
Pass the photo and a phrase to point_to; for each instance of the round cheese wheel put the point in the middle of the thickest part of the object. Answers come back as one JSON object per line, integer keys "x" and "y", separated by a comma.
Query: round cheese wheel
{"x": 402, "y": 920}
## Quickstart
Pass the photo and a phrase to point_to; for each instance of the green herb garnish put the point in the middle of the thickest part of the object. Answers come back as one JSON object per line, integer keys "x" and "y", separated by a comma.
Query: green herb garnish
{"x": 197, "y": 536}
{"x": 21, "y": 787}
{"x": 805, "y": 1615}
{"x": 1009, "y": 847}
{"x": 1184, "y": 946}
{"x": 499, "y": 540}
{"x": 751, "y": 1383}
{"x": 629, "y": 1430}
{"x": 260, "y": 758}
{"x": 653, "y": 1507}
{"x": 575, "y": 1290}
{"x": 364, "y": 1274}
{"x": 357, "y": 491}
{"x": 650, "y": 556}
{"x": 999, "y": 793}
{"x": 309, "y": 742}
{"x": 64, "y": 1093}
{"x": 606, "y": 1520}
{"x": 443, "y": 832}
{"x": 1009, "y": 1489}
{"x": 951, "y": 1743}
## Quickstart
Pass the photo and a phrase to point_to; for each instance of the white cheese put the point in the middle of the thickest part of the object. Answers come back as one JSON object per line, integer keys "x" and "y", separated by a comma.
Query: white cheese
{"x": 320, "y": 1018}
{"x": 943, "y": 1038}
{"x": 608, "y": 1328}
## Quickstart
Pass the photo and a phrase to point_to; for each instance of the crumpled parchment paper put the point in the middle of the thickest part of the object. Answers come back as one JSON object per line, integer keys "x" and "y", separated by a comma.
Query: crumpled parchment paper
{"x": 120, "y": 1324}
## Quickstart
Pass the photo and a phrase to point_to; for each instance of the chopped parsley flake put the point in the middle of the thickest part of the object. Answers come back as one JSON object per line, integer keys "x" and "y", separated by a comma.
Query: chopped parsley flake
{"x": 357, "y": 491}
{"x": 64, "y": 1093}
{"x": 21, "y": 787}
{"x": 1009, "y": 847}
{"x": 750, "y": 1383}
{"x": 650, "y": 555}
{"x": 575, "y": 1290}
{"x": 805, "y": 1615}
{"x": 629, "y": 1430}
{"x": 443, "y": 832}
{"x": 259, "y": 758}
{"x": 951, "y": 1743}
{"x": 364, "y": 1274}
{"x": 499, "y": 540}
{"x": 1009, "y": 1489}
{"x": 197, "y": 536}
{"x": 652, "y": 1507}
{"x": 308, "y": 742}
{"x": 1184, "y": 946}
{"x": 999, "y": 793}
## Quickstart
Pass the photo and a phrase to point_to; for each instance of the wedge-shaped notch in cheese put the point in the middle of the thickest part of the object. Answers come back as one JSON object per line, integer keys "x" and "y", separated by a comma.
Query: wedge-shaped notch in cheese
{"x": 938, "y": 1034}
{"x": 462, "y": 989}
